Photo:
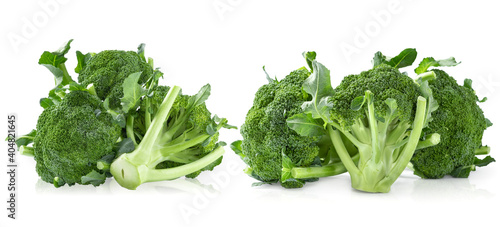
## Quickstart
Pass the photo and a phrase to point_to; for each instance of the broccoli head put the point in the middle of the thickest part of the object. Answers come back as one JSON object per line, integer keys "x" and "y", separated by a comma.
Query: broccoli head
{"x": 71, "y": 137}
{"x": 108, "y": 69}
{"x": 460, "y": 122}
{"x": 384, "y": 82}
{"x": 266, "y": 135}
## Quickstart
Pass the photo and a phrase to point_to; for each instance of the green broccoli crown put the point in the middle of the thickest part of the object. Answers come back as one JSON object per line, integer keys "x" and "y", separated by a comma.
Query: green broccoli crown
{"x": 108, "y": 69}
{"x": 266, "y": 134}
{"x": 384, "y": 82}
{"x": 72, "y": 136}
{"x": 460, "y": 122}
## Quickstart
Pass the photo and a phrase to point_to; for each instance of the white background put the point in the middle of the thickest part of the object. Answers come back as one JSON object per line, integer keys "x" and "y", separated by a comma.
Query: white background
{"x": 226, "y": 43}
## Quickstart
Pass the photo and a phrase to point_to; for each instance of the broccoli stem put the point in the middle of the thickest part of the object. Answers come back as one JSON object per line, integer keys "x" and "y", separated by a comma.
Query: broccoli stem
{"x": 130, "y": 175}
{"x": 176, "y": 172}
{"x": 483, "y": 150}
{"x": 129, "y": 128}
{"x": 427, "y": 76}
{"x": 331, "y": 169}
{"x": 129, "y": 168}
{"x": 429, "y": 141}
{"x": 410, "y": 147}
{"x": 372, "y": 174}
{"x": 342, "y": 151}
{"x": 148, "y": 115}
{"x": 103, "y": 165}
{"x": 28, "y": 151}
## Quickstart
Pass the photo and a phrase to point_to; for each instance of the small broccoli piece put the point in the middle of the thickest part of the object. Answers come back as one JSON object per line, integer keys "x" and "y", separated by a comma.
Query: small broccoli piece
{"x": 71, "y": 137}
{"x": 181, "y": 140}
{"x": 461, "y": 123}
{"x": 108, "y": 69}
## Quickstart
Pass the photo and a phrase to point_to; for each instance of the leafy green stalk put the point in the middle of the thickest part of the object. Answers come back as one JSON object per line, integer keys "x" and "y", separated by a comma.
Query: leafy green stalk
{"x": 169, "y": 139}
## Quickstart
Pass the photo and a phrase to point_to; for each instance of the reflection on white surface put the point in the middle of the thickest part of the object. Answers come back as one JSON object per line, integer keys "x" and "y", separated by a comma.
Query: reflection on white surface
{"x": 447, "y": 188}
{"x": 181, "y": 185}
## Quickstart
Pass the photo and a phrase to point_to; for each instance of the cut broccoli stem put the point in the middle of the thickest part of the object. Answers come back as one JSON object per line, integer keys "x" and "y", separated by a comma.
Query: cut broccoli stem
{"x": 91, "y": 89}
{"x": 427, "y": 76}
{"x": 483, "y": 150}
{"x": 130, "y": 175}
{"x": 429, "y": 141}
{"x": 103, "y": 165}
{"x": 28, "y": 151}
{"x": 331, "y": 169}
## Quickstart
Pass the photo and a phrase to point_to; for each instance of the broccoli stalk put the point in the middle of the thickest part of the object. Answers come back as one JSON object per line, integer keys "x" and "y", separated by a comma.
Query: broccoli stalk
{"x": 168, "y": 140}
{"x": 374, "y": 139}
{"x": 387, "y": 153}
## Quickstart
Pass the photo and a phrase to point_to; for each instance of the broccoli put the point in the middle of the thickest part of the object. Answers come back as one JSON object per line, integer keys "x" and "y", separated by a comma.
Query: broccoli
{"x": 461, "y": 123}
{"x": 73, "y": 132}
{"x": 273, "y": 151}
{"x": 119, "y": 122}
{"x": 181, "y": 140}
{"x": 265, "y": 133}
{"x": 380, "y": 113}
{"x": 108, "y": 69}
{"x": 71, "y": 137}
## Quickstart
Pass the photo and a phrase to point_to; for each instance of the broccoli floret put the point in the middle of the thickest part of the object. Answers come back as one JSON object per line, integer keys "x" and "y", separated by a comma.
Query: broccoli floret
{"x": 71, "y": 137}
{"x": 181, "y": 140}
{"x": 108, "y": 69}
{"x": 460, "y": 122}
{"x": 267, "y": 139}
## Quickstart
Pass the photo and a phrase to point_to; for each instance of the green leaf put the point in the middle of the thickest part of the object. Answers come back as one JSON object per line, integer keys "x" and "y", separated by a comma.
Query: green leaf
{"x": 305, "y": 125}
{"x": 26, "y": 139}
{"x": 287, "y": 166}
{"x": 140, "y": 51}
{"x": 82, "y": 60}
{"x": 463, "y": 171}
{"x": 426, "y": 63}
{"x": 483, "y": 162}
{"x": 73, "y": 86}
{"x": 200, "y": 97}
{"x": 379, "y": 59}
{"x": 318, "y": 85}
{"x": 357, "y": 103}
{"x": 236, "y": 147}
{"x": 405, "y": 58}
{"x": 124, "y": 146}
{"x": 310, "y": 56}
{"x": 268, "y": 77}
{"x": 95, "y": 178}
{"x": 54, "y": 62}
{"x": 132, "y": 92}
{"x": 468, "y": 83}
{"x": 46, "y": 102}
